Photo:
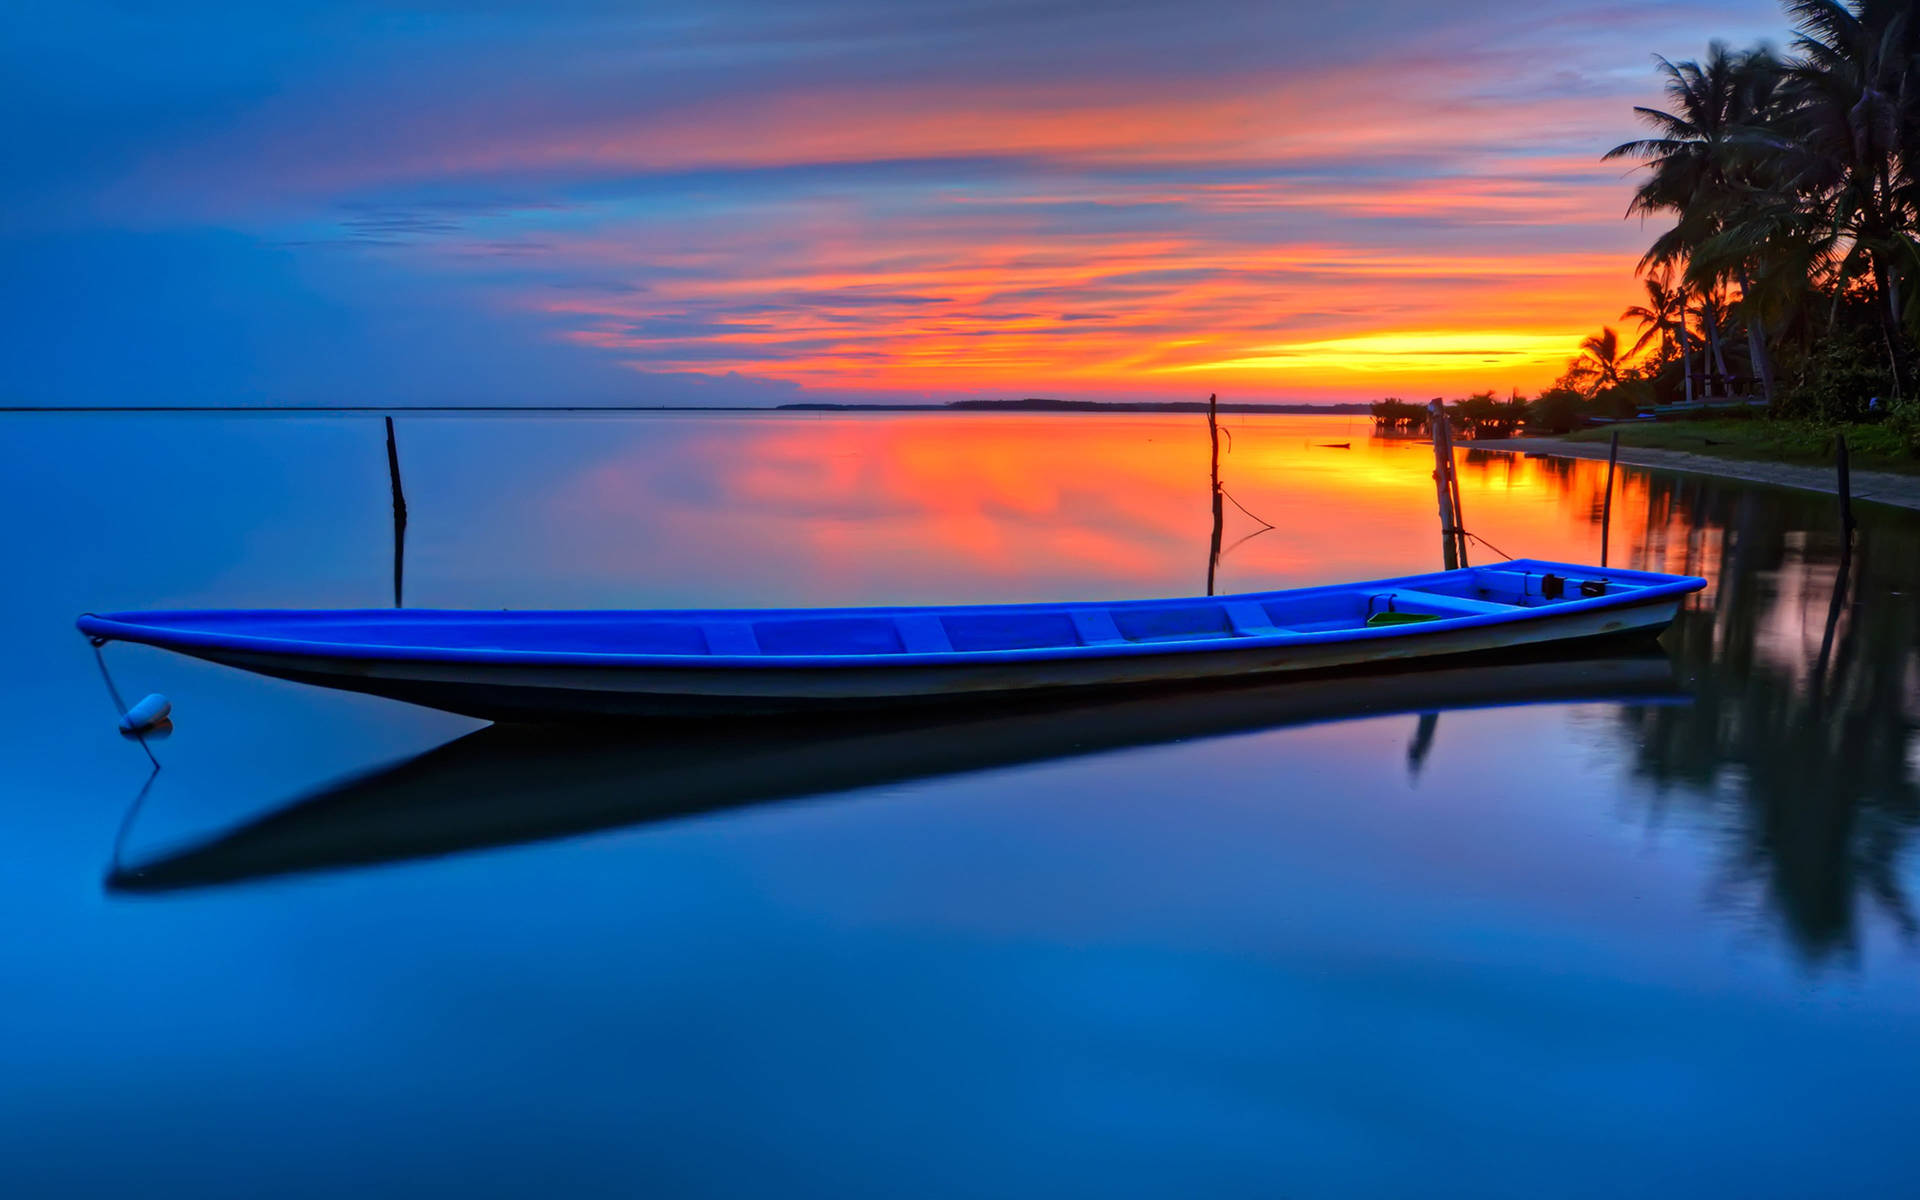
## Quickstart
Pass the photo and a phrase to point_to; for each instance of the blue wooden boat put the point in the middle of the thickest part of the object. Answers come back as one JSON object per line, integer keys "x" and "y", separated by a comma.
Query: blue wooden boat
{"x": 571, "y": 665}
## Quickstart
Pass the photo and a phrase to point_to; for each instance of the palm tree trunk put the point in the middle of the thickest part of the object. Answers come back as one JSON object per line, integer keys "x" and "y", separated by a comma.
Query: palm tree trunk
{"x": 1686, "y": 353}
{"x": 1686, "y": 356}
{"x": 1756, "y": 339}
{"x": 1882, "y": 279}
{"x": 1717, "y": 374}
{"x": 1893, "y": 361}
{"x": 1888, "y": 278}
{"x": 1762, "y": 365}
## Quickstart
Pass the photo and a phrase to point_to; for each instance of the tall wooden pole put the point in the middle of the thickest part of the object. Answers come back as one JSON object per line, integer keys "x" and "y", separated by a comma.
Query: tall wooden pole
{"x": 1606, "y": 503}
{"x": 1443, "y": 485}
{"x": 1219, "y": 514}
{"x": 1459, "y": 513}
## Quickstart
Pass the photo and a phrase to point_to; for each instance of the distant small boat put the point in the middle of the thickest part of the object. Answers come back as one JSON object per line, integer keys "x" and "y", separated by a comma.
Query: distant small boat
{"x": 1336, "y": 445}
{"x": 677, "y": 663}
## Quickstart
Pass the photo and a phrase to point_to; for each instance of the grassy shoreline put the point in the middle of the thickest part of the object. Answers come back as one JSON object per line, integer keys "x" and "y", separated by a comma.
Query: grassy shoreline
{"x": 1798, "y": 443}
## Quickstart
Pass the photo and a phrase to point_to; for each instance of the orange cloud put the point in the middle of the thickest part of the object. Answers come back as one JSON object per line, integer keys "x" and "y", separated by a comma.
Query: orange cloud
{"x": 1314, "y": 234}
{"x": 946, "y": 311}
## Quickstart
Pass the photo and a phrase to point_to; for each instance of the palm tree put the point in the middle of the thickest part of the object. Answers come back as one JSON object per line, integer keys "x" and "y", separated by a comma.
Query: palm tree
{"x": 1851, "y": 127}
{"x": 1665, "y": 309}
{"x": 1851, "y": 114}
{"x": 1686, "y": 160}
{"x": 1708, "y": 164}
{"x": 1600, "y": 361}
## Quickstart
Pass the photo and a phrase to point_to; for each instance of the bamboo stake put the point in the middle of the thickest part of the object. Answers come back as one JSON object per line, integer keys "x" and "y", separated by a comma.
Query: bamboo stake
{"x": 399, "y": 513}
{"x": 1219, "y": 514}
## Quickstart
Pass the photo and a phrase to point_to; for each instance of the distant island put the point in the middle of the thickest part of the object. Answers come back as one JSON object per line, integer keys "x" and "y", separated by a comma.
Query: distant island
{"x": 1044, "y": 404}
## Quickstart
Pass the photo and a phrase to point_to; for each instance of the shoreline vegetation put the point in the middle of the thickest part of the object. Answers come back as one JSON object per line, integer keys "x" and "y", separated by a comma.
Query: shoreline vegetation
{"x": 1899, "y": 488}
{"x": 1782, "y": 292}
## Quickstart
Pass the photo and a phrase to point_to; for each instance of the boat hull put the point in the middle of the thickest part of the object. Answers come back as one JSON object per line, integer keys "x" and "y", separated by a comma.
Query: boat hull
{"x": 514, "y": 692}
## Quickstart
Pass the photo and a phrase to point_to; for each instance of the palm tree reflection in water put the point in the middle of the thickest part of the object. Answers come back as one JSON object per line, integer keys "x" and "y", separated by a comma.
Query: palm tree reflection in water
{"x": 1799, "y": 742}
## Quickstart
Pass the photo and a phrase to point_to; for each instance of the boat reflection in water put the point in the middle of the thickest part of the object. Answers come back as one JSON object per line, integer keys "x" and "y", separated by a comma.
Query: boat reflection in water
{"x": 506, "y": 785}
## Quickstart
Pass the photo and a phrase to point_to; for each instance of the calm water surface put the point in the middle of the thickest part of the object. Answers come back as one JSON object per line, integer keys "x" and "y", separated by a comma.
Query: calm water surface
{"x": 1641, "y": 928}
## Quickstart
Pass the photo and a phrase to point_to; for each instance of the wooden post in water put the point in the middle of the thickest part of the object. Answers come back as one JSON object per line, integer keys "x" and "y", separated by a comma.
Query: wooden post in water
{"x": 1846, "y": 486}
{"x": 1459, "y": 513}
{"x": 1606, "y": 504}
{"x": 1446, "y": 487}
{"x": 399, "y": 513}
{"x": 1219, "y": 514}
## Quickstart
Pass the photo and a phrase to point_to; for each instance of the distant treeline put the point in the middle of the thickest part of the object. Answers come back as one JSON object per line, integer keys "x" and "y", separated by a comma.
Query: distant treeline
{"x": 1481, "y": 415}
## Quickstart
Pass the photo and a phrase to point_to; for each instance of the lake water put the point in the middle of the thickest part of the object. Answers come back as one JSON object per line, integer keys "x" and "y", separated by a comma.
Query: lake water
{"x": 1627, "y": 927}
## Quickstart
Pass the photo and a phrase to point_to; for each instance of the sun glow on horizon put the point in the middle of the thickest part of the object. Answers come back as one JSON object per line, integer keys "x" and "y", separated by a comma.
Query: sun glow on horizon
{"x": 1435, "y": 352}
{"x": 937, "y": 305}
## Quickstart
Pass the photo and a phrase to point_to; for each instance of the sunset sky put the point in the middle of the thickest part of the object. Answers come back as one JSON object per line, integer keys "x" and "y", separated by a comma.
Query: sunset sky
{"x": 748, "y": 202}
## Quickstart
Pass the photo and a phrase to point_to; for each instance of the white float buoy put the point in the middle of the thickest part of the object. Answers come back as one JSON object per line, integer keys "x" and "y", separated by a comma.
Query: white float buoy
{"x": 159, "y": 731}
{"x": 146, "y": 715}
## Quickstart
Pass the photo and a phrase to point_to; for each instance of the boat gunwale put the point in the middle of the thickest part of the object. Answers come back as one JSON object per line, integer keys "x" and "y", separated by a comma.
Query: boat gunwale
{"x": 146, "y": 627}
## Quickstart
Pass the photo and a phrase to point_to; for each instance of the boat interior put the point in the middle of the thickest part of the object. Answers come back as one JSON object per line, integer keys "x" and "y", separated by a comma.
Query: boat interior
{"x": 1479, "y": 592}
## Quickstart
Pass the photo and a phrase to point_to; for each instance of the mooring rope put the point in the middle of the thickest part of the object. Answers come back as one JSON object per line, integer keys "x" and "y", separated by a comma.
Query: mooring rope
{"x": 1484, "y": 542}
{"x": 117, "y": 861}
{"x": 1243, "y": 508}
{"x": 120, "y": 710}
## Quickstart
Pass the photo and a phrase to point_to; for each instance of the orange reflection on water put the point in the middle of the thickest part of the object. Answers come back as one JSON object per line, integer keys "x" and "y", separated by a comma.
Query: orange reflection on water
{"x": 854, "y": 509}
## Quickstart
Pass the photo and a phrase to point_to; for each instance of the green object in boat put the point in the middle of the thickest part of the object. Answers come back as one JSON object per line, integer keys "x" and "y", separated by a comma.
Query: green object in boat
{"x": 1400, "y": 618}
